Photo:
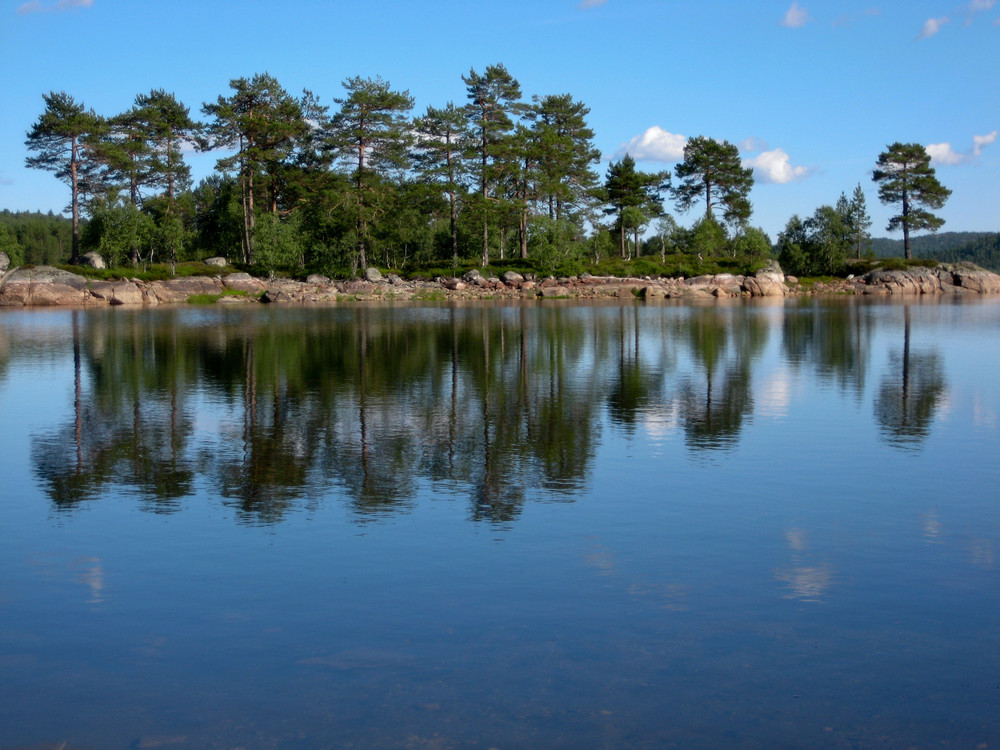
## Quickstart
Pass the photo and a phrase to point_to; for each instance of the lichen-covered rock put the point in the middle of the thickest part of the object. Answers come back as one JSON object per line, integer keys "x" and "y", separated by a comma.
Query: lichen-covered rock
{"x": 372, "y": 275}
{"x": 217, "y": 261}
{"x": 4, "y": 263}
{"x": 317, "y": 278}
{"x": 455, "y": 285}
{"x": 511, "y": 278}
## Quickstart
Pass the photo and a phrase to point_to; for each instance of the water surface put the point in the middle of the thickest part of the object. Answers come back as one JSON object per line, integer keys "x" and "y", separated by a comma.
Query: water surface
{"x": 555, "y": 525}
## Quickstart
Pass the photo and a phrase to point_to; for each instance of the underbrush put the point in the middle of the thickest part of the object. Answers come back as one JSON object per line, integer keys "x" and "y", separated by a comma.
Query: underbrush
{"x": 154, "y": 272}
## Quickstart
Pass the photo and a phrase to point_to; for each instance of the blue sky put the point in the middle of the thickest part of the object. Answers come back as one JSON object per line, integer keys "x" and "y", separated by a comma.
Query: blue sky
{"x": 811, "y": 90}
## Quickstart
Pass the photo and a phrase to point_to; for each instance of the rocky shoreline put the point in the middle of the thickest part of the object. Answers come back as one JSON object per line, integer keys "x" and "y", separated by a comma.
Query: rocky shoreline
{"x": 44, "y": 286}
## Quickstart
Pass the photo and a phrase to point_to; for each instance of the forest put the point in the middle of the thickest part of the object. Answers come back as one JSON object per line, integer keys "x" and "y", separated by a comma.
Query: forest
{"x": 301, "y": 187}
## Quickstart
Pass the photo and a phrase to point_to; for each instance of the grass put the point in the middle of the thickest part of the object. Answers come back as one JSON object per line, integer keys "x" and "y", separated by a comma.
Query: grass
{"x": 211, "y": 299}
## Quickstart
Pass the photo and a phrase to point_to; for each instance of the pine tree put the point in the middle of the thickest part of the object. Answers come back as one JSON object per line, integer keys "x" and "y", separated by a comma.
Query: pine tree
{"x": 634, "y": 196}
{"x": 371, "y": 132}
{"x": 860, "y": 222}
{"x": 439, "y": 156}
{"x": 60, "y": 140}
{"x": 494, "y": 102}
{"x": 904, "y": 175}
{"x": 565, "y": 152}
{"x": 712, "y": 171}
{"x": 263, "y": 124}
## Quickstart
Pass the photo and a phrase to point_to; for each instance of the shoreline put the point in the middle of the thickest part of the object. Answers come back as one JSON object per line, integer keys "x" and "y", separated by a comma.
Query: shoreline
{"x": 45, "y": 286}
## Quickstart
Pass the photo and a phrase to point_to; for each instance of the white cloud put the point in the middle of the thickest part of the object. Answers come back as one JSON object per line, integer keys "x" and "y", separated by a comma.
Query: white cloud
{"x": 932, "y": 26}
{"x": 656, "y": 144}
{"x": 979, "y": 142}
{"x": 752, "y": 145}
{"x": 795, "y": 17}
{"x": 776, "y": 167}
{"x": 977, "y": 5}
{"x": 943, "y": 154}
{"x": 36, "y": 6}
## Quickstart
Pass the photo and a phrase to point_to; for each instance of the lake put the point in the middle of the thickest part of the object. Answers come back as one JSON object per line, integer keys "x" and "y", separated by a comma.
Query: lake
{"x": 733, "y": 525}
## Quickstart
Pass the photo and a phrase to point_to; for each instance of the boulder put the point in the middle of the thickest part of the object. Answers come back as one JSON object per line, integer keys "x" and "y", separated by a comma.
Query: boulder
{"x": 118, "y": 292}
{"x": 554, "y": 291}
{"x": 43, "y": 286}
{"x": 244, "y": 282}
{"x": 318, "y": 279}
{"x": 511, "y": 278}
{"x": 358, "y": 287}
{"x": 178, "y": 290}
{"x": 92, "y": 260}
{"x": 395, "y": 279}
{"x": 4, "y": 263}
{"x": 217, "y": 262}
{"x": 654, "y": 291}
{"x": 767, "y": 282}
{"x": 472, "y": 276}
{"x": 275, "y": 296}
{"x": 455, "y": 285}
{"x": 372, "y": 275}
{"x": 975, "y": 279}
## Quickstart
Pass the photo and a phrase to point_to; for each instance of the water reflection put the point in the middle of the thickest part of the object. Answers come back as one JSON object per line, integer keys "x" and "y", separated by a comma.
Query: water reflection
{"x": 276, "y": 409}
{"x": 910, "y": 393}
{"x": 717, "y": 398}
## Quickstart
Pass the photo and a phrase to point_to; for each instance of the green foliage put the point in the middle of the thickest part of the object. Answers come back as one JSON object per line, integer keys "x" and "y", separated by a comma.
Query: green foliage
{"x": 10, "y": 246}
{"x": 45, "y": 239}
{"x": 707, "y": 238}
{"x": 118, "y": 230}
{"x": 752, "y": 245}
{"x": 278, "y": 244}
{"x": 817, "y": 246}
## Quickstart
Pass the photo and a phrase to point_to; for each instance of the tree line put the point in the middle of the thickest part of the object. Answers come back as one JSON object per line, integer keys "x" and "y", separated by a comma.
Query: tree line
{"x": 301, "y": 186}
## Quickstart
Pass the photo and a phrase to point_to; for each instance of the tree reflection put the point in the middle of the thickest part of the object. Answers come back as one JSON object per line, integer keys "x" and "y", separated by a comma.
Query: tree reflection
{"x": 724, "y": 342}
{"x": 833, "y": 338}
{"x": 909, "y": 394}
{"x": 278, "y": 410}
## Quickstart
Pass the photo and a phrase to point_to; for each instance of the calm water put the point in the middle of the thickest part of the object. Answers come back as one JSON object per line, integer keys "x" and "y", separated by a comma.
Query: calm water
{"x": 566, "y": 526}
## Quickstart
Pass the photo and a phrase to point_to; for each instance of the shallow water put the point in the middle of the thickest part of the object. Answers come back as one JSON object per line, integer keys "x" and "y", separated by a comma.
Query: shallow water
{"x": 560, "y": 525}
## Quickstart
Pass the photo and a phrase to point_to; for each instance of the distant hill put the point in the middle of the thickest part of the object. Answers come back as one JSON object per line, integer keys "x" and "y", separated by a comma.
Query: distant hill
{"x": 44, "y": 238}
{"x": 981, "y": 248}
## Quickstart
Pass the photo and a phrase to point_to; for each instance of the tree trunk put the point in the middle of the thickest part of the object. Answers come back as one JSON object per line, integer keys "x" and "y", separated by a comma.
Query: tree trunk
{"x": 75, "y": 199}
{"x": 906, "y": 227}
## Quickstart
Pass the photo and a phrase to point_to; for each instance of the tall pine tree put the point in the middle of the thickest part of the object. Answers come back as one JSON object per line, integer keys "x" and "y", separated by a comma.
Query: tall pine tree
{"x": 904, "y": 175}
{"x": 60, "y": 141}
